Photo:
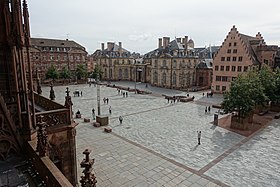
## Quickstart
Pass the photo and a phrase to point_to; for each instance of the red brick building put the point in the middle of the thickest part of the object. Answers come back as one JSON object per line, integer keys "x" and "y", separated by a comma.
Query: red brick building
{"x": 60, "y": 53}
{"x": 238, "y": 54}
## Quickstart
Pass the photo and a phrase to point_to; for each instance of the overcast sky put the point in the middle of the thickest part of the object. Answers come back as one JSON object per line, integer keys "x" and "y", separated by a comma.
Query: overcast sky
{"x": 139, "y": 23}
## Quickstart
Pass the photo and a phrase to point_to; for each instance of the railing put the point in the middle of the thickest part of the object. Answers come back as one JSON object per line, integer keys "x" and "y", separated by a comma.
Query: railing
{"x": 55, "y": 117}
{"x": 46, "y": 104}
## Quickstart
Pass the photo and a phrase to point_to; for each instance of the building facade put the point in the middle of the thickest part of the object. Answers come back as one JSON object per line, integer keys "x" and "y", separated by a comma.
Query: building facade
{"x": 238, "y": 54}
{"x": 175, "y": 64}
{"x": 60, "y": 53}
{"x": 117, "y": 63}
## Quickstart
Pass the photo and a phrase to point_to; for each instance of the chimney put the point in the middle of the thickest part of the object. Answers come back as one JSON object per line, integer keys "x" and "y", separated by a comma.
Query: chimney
{"x": 110, "y": 46}
{"x": 160, "y": 43}
{"x": 186, "y": 43}
{"x": 165, "y": 41}
{"x": 120, "y": 48}
{"x": 178, "y": 40}
{"x": 102, "y": 46}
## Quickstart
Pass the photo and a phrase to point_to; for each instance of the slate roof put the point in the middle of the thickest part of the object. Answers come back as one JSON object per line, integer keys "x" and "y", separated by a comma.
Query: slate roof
{"x": 169, "y": 51}
{"x": 205, "y": 64}
{"x": 249, "y": 41}
{"x": 44, "y": 42}
{"x": 114, "y": 53}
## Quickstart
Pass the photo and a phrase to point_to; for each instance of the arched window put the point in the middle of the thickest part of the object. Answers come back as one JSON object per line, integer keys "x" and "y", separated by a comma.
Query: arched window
{"x": 155, "y": 80}
{"x": 163, "y": 78}
{"x": 120, "y": 73}
{"x": 105, "y": 73}
{"x": 174, "y": 79}
{"x": 126, "y": 73}
{"x": 110, "y": 73}
{"x": 164, "y": 63}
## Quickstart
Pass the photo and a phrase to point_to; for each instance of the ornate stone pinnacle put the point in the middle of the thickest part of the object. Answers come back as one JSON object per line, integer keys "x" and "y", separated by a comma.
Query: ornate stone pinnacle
{"x": 88, "y": 180}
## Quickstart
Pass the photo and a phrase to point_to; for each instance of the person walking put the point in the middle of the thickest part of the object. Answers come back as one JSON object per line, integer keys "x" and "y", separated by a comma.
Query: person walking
{"x": 120, "y": 119}
{"x": 198, "y": 136}
{"x": 104, "y": 100}
{"x": 93, "y": 113}
{"x": 107, "y": 100}
{"x": 110, "y": 110}
{"x": 205, "y": 110}
{"x": 209, "y": 108}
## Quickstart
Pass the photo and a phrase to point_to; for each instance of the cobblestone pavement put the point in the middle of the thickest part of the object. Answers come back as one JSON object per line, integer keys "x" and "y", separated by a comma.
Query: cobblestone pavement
{"x": 157, "y": 143}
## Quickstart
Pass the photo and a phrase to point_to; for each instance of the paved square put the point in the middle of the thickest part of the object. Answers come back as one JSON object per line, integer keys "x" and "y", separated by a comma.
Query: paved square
{"x": 157, "y": 143}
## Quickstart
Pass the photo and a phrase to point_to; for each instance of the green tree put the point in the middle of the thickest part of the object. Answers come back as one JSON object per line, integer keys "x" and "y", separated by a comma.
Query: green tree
{"x": 276, "y": 76}
{"x": 81, "y": 71}
{"x": 52, "y": 73}
{"x": 97, "y": 71}
{"x": 65, "y": 73}
{"x": 268, "y": 82}
{"x": 245, "y": 92}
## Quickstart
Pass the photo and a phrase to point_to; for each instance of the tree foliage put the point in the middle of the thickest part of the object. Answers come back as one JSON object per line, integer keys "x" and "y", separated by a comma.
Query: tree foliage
{"x": 96, "y": 72}
{"x": 81, "y": 71}
{"x": 246, "y": 91}
{"x": 52, "y": 72}
{"x": 65, "y": 73}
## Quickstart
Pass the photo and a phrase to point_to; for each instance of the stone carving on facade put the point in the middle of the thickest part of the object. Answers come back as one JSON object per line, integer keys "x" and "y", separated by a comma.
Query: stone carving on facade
{"x": 42, "y": 138}
{"x": 55, "y": 151}
{"x": 88, "y": 180}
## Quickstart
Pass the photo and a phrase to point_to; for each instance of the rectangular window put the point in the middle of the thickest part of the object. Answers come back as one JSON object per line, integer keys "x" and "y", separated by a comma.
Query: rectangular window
{"x": 222, "y": 68}
{"x": 229, "y": 44}
{"x": 222, "y": 59}
{"x": 240, "y": 59}
{"x": 216, "y": 68}
{"x": 234, "y": 51}
{"x": 228, "y": 58}
{"x": 217, "y": 87}
{"x": 229, "y": 51}
{"x": 51, "y": 57}
{"x": 224, "y": 78}
{"x": 224, "y": 88}
{"x": 232, "y": 68}
{"x": 234, "y": 44}
{"x": 239, "y": 68}
{"x": 218, "y": 78}
{"x": 245, "y": 68}
{"x": 234, "y": 58}
{"x": 227, "y": 68}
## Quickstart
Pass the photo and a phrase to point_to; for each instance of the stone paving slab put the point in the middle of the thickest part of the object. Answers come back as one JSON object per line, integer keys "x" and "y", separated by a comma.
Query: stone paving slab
{"x": 254, "y": 164}
{"x": 156, "y": 144}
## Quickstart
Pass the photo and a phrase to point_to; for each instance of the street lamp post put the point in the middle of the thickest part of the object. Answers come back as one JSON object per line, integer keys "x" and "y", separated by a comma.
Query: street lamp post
{"x": 136, "y": 70}
{"x": 98, "y": 95}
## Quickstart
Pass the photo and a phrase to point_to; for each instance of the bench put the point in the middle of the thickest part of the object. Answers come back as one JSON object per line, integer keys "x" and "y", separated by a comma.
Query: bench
{"x": 86, "y": 120}
{"x": 107, "y": 129}
{"x": 78, "y": 116}
{"x": 96, "y": 124}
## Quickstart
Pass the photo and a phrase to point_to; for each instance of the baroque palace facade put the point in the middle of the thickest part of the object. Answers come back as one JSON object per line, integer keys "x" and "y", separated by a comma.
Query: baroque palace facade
{"x": 60, "y": 53}
{"x": 176, "y": 64}
{"x": 238, "y": 54}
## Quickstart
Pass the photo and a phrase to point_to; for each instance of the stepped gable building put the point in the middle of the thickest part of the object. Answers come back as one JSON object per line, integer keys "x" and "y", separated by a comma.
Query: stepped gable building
{"x": 60, "y": 53}
{"x": 173, "y": 64}
{"x": 116, "y": 63}
{"x": 38, "y": 130}
{"x": 238, "y": 53}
